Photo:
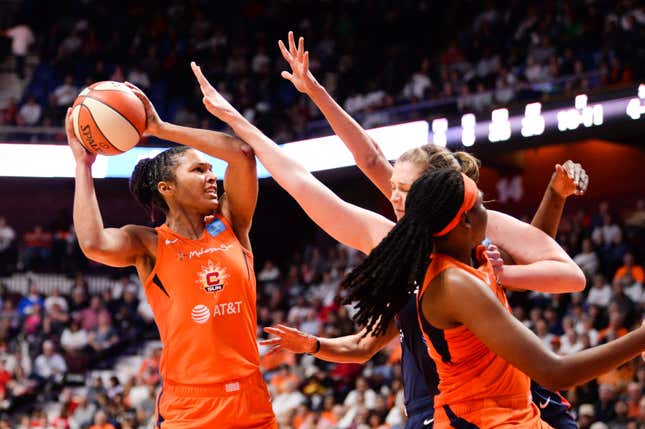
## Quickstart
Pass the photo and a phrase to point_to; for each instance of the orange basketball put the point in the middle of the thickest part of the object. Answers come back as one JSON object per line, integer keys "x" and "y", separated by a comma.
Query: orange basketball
{"x": 108, "y": 118}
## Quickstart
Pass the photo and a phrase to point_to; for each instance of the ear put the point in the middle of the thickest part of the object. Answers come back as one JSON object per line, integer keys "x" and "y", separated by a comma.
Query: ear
{"x": 165, "y": 188}
{"x": 465, "y": 221}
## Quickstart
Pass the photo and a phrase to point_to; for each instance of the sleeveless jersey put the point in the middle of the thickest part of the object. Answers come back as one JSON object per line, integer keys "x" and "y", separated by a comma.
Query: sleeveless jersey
{"x": 419, "y": 372}
{"x": 468, "y": 370}
{"x": 202, "y": 294}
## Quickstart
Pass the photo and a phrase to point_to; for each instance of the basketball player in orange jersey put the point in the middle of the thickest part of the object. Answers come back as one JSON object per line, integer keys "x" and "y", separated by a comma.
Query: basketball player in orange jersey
{"x": 198, "y": 276}
{"x": 545, "y": 266}
{"x": 482, "y": 353}
{"x": 394, "y": 183}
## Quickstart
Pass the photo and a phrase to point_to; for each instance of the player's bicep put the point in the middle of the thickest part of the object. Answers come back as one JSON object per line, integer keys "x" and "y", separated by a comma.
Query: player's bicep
{"x": 118, "y": 247}
{"x": 534, "y": 246}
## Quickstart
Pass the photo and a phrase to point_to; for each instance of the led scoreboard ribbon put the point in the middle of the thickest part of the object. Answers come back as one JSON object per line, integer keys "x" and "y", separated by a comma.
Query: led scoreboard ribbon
{"x": 48, "y": 160}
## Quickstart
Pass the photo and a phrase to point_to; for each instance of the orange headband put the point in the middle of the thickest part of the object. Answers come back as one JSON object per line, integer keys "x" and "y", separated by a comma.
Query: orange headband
{"x": 470, "y": 196}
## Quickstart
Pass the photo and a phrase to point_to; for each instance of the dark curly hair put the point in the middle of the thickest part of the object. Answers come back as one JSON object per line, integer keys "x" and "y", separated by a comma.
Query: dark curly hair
{"x": 149, "y": 172}
{"x": 382, "y": 283}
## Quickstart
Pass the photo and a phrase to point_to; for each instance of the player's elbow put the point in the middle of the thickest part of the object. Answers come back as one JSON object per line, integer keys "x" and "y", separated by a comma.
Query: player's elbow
{"x": 553, "y": 375}
{"x": 243, "y": 154}
{"x": 577, "y": 280}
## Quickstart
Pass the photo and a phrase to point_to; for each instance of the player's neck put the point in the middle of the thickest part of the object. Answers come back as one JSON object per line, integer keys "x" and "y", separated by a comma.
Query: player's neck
{"x": 455, "y": 249}
{"x": 186, "y": 224}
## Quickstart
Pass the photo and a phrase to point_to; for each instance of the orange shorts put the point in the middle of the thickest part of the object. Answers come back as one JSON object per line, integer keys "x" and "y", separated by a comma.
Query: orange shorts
{"x": 507, "y": 413}
{"x": 243, "y": 403}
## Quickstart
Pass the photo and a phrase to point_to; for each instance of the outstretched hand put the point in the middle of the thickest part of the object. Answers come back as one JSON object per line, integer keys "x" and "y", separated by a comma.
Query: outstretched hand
{"x": 81, "y": 155}
{"x": 153, "y": 121}
{"x": 217, "y": 105}
{"x": 298, "y": 60}
{"x": 289, "y": 339}
{"x": 569, "y": 179}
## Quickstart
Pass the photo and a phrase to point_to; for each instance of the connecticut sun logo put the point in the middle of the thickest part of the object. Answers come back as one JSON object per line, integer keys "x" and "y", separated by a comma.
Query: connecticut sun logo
{"x": 211, "y": 278}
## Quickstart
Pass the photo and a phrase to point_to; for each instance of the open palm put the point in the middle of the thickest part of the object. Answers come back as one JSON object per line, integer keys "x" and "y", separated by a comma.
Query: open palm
{"x": 298, "y": 60}
{"x": 217, "y": 105}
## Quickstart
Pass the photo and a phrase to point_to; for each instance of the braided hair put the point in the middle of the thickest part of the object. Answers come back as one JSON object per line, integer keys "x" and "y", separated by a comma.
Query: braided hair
{"x": 149, "y": 172}
{"x": 380, "y": 286}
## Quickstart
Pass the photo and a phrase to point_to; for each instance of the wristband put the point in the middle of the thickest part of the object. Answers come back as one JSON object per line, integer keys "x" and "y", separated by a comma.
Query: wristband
{"x": 317, "y": 348}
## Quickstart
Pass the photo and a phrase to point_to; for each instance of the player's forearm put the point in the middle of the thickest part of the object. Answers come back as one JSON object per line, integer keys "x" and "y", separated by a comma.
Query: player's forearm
{"x": 588, "y": 364}
{"x": 544, "y": 276}
{"x": 284, "y": 169}
{"x": 366, "y": 152}
{"x": 88, "y": 223}
{"x": 346, "y": 349}
{"x": 213, "y": 143}
{"x": 548, "y": 215}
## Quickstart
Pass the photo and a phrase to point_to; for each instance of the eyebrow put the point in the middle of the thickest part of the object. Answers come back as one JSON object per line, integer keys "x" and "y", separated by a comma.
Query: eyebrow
{"x": 203, "y": 164}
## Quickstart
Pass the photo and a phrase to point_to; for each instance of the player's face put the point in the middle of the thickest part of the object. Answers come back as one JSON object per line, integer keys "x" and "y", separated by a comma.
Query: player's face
{"x": 196, "y": 184}
{"x": 478, "y": 217}
{"x": 403, "y": 176}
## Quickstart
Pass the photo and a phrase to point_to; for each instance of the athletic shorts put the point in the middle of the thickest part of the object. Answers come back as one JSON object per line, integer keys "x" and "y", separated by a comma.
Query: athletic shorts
{"x": 420, "y": 413}
{"x": 238, "y": 404}
{"x": 507, "y": 413}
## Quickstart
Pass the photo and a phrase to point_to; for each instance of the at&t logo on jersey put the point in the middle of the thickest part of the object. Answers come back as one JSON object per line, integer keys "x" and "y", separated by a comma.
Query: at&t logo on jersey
{"x": 212, "y": 278}
{"x": 200, "y": 314}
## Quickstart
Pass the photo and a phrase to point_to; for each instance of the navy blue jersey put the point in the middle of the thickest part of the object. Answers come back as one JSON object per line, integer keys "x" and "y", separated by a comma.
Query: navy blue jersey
{"x": 420, "y": 378}
{"x": 554, "y": 409}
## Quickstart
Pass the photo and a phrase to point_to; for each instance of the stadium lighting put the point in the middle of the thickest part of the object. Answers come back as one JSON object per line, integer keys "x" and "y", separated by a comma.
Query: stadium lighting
{"x": 500, "y": 127}
{"x": 42, "y": 160}
{"x": 468, "y": 129}
{"x": 439, "y": 128}
{"x": 533, "y": 121}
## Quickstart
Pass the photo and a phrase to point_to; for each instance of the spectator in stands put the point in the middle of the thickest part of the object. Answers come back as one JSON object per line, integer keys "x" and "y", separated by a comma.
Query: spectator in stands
{"x": 103, "y": 338}
{"x": 89, "y": 317}
{"x": 63, "y": 96}
{"x": 288, "y": 400}
{"x": 36, "y": 251}
{"x": 50, "y": 368}
{"x": 9, "y": 113}
{"x": 634, "y": 398}
{"x": 139, "y": 77}
{"x": 26, "y": 304}
{"x": 269, "y": 272}
{"x": 21, "y": 39}
{"x": 587, "y": 259}
{"x": 101, "y": 421}
{"x": 74, "y": 341}
{"x": 600, "y": 294}
{"x": 7, "y": 251}
{"x": 636, "y": 271}
{"x": 30, "y": 113}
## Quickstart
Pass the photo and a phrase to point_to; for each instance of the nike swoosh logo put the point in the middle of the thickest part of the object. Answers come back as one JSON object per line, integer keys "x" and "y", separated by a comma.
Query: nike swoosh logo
{"x": 171, "y": 241}
{"x": 544, "y": 405}
{"x": 426, "y": 422}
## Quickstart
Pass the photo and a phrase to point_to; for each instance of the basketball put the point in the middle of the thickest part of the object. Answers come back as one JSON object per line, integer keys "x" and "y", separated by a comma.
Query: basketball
{"x": 108, "y": 118}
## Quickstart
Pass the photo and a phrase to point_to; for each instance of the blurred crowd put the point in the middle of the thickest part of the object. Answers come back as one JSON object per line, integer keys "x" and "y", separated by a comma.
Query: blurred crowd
{"x": 52, "y": 344}
{"x": 504, "y": 50}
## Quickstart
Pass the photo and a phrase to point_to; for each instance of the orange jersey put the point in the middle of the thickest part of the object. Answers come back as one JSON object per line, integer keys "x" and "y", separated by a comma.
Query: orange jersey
{"x": 202, "y": 294}
{"x": 476, "y": 386}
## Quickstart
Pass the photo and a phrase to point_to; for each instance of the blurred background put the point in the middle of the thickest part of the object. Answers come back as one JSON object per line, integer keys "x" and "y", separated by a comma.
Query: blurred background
{"x": 523, "y": 85}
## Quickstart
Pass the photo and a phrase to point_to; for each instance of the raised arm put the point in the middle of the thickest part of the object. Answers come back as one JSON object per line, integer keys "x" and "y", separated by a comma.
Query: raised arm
{"x": 240, "y": 180}
{"x": 542, "y": 265}
{"x": 116, "y": 247}
{"x": 464, "y": 299}
{"x": 568, "y": 179}
{"x": 367, "y": 153}
{"x": 348, "y": 224}
{"x": 355, "y": 348}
